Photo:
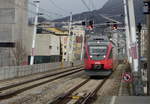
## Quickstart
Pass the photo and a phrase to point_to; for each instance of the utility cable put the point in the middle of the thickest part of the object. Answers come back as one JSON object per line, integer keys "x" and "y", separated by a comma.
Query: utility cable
{"x": 108, "y": 18}
{"x": 86, "y": 5}
{"x": 25, "y": 8}
{"x": 57, "y": 6}
{"x": 45, "y": 10}
{"x": 93, "y": 5}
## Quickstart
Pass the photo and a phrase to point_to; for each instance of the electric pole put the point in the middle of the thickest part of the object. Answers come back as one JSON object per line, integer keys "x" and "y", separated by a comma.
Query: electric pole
{"x": 139, "y": 27}
{"x": 34, "y": 32}
{"x": 137, "y": 84}
{"x": 147, "y": 12}
{"x": 82, "y": 49}
{"x": 133, "y": 35}
{"x": 128, "y": 38}
{"x": 72, "y": 46}
{"x": 148, "y": 55}
{"x": 83, "y": 40}
{"x": 68, "y": 39}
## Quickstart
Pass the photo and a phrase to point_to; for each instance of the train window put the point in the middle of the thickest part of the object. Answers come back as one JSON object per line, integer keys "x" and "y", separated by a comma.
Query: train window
{"x": 97, "y": 52}
{"x": 98, "y": 49}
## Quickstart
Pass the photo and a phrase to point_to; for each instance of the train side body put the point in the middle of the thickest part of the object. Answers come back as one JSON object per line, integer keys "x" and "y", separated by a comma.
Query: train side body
{"x": 98, "y": 57}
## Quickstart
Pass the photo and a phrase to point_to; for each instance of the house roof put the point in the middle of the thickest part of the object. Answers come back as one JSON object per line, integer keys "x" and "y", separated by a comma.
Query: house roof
{"x": 56, "y": 31}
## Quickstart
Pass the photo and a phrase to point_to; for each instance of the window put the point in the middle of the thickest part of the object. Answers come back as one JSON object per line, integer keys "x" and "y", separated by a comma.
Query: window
{"x": 7, "y": 44}
{"x": 97, "y": 52}
{"x": 50, "y": 47}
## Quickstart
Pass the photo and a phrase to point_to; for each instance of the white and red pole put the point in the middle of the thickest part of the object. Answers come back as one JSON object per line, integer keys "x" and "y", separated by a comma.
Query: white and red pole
{"x": 34, "y": 32}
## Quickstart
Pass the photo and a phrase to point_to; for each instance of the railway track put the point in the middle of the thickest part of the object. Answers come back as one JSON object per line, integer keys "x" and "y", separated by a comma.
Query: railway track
{"x": 83, "y": 93}
{"x": 11, "y": 90}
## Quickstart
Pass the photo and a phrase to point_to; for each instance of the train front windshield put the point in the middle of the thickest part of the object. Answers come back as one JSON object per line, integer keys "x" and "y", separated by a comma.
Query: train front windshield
{"x": 97, "y": 52}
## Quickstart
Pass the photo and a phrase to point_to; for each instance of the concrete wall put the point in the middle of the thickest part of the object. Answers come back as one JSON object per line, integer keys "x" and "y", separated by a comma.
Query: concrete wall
{"x": 28, "y": 38}
{"x": 13, "y": 25}
{"x": 7, "y": 20}
{"x": 43, "y": 43}
{"x": 19, "y": 71}
{"x": 47, "y": 45}
{"x": 5, "y": 58}
{"x": 13, "y": 20}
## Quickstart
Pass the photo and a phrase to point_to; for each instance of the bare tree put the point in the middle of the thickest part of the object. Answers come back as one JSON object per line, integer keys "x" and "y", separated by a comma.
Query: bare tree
{"x": 19, "y": 53}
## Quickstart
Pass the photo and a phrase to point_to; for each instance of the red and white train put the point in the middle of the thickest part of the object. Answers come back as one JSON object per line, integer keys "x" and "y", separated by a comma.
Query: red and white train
{"x": 99, "y": 59}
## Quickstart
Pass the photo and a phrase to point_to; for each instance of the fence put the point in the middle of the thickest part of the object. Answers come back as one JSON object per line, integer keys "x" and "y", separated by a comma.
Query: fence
{"x": 9, "y": 72}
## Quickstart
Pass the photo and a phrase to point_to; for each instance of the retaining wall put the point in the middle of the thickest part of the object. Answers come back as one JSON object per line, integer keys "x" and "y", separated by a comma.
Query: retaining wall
{"x": 9, "y": 72}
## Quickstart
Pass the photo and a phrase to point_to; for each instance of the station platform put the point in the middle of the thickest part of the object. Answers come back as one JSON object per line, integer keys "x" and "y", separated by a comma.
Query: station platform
{"x": 123, "y": 100}
{"x": 130, "y": 100}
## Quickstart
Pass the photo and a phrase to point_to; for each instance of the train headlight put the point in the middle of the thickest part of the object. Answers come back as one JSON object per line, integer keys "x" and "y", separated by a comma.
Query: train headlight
{"x": 91, "y": 56}
{"x": 104, "y": 56}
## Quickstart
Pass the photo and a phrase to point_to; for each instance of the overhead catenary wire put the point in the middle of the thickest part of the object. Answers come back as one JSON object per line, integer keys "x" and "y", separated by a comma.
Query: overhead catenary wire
{"x": 54, "y": 4}
{"x": 91, "y": 9}
{"x": 92, "y": 3}
{"x": 46, "y": 13}
{"x": 25, "y": 8}
{"x": 108, "y": 18}
{"x": 45, "y": 10}
{"x": 85, "y": 4}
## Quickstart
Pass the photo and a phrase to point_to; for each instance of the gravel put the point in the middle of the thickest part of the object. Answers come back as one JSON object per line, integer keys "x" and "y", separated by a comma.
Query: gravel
{"x": 111, "y": 87}
{"x": 46, "y": 92}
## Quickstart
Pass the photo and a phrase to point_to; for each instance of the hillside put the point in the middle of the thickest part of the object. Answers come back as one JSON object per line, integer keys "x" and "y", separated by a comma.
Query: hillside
{"x": 111, "y": 8}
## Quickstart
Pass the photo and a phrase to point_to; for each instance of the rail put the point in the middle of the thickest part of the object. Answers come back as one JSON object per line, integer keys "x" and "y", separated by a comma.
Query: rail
{"x": 9, "y": 91}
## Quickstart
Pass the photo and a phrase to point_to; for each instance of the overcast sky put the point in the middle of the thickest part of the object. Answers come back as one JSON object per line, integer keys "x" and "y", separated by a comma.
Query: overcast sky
{"x": 64, "y": 7}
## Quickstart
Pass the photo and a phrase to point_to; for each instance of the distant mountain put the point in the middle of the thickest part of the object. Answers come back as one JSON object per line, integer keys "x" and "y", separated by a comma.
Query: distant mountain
{"x": 112, "y": 8}
{"x": 40, "y": 19}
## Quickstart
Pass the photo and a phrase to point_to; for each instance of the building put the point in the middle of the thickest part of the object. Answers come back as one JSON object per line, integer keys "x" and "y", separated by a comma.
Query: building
{"x": 76, "y": 38}
{"x": 47, "y": 48}
{"x": 48, "y": 44}
{"x": 63, "y": 36}
{"x": 79, "y": 34}
{"x": 13, "y": 25}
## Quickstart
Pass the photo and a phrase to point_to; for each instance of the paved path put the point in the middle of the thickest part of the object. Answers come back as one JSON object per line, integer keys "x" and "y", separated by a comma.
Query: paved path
{"x": 129, "y": 100}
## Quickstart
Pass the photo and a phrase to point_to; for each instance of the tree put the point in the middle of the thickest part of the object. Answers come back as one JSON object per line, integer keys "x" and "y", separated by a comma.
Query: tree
{"x": 19, "y": 53}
